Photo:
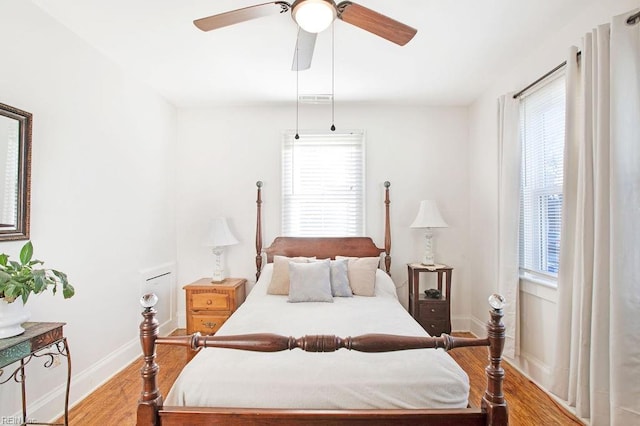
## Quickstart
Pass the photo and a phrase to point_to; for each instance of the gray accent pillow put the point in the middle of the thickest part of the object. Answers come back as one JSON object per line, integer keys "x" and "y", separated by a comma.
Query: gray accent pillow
{"x": 340, "y": 278}
{"x": 279, "y": 283}
{"x": 310, "y": 282}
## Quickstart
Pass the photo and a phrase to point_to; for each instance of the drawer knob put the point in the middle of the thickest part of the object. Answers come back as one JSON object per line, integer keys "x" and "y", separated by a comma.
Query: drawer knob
{"x": 433, "y": 310}
{"x": 209, "y": 301}
{"x": 433, "y": 326}
{"x": 209, "y": 324}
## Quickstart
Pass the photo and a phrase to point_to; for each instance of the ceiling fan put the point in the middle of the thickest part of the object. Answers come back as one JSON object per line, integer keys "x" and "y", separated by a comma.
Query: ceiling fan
{"x": 313, "y": 17}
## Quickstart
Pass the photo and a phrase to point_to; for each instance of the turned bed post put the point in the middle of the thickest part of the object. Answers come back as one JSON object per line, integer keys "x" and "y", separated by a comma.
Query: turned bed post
{"x": 259, "y": 230}
{"x": 150, "y": 398}
{"x": 493, "y": 402}
{"x": 387, "y": 229}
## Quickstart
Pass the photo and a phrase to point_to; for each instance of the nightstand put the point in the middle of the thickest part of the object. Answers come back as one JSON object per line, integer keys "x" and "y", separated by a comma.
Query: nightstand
{"x": 434, "y": 315}
{"x": 209, "y": 304}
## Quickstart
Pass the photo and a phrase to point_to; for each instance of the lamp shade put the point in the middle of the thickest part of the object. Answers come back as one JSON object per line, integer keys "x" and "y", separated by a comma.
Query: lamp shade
{"x": 429, "y": 216}
{"x": 219, "y": 234}
{"x": 313, "y": 16}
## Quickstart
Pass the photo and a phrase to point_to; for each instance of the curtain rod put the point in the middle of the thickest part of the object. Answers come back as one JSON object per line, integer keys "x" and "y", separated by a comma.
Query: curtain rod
{"x": 520, "y": 93}
{"x": 517, "y": 95}
{"x": 632, "y": 20}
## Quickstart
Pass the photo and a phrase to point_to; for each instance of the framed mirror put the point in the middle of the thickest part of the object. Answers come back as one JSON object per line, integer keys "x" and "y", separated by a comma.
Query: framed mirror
{"x": 15, "y": 173}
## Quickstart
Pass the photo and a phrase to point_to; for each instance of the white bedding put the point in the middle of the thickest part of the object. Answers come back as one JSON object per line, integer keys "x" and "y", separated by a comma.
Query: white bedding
{"x": 423, "y": 378}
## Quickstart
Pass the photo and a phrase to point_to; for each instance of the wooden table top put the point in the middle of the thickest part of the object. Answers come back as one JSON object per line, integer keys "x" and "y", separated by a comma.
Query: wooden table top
{"x": 36, "y": 336}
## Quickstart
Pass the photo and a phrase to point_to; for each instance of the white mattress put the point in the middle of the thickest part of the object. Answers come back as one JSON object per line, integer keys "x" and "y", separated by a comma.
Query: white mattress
{"x": 423, "y": 378}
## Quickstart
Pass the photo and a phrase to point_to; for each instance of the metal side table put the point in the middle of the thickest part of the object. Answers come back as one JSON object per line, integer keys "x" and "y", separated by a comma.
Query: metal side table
{"x": 40, "y": 340}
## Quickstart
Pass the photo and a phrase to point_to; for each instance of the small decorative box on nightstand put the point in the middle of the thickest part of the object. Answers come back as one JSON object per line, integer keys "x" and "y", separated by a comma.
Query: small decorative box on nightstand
{"x": 209, "y": 304}
{"x": 433, "y": 314}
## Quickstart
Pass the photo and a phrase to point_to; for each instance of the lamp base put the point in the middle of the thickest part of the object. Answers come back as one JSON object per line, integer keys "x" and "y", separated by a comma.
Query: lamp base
{"x": 428, "y": 258}
{"x": 218, "y": 275}
{"x": 218, "y": 269}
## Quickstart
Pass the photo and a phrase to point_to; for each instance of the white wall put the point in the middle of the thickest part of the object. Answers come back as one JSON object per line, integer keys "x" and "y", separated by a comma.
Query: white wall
{"x": 102, "y": 195}
{"x": 422, "y": 151}
{"x": 123, "y": 183}
{"x": 538, "y": 303}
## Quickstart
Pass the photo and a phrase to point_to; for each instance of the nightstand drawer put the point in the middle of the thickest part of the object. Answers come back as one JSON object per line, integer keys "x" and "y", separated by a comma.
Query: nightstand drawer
{"x": 433, "y": 310}
{"x": 208, "y": 324}
{"x": 435, "y": 327}
{"x": 210, "y": 302}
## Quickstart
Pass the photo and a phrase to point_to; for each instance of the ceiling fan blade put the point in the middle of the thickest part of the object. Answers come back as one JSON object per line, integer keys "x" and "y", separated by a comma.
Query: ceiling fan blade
{"x": 376, "y": 23}
{"x": 304, "y": 50}
{"x": 240, "y": 15}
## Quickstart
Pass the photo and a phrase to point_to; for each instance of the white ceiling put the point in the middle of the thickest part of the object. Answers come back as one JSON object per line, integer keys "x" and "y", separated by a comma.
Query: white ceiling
{"x": 459, "y": 47}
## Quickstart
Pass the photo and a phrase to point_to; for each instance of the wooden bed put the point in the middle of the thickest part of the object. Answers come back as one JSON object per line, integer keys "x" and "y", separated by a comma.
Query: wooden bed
{"x": 493, "y": 407}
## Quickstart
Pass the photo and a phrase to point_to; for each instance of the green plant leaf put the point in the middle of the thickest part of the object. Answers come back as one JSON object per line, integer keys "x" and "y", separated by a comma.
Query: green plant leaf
{"x": 26, "y": 253}
{"x": 20, "y": 279}
{"x": 39, "y": 282}
{"x": 68, "y": 291}
{"x": 11, "y": 290}
{"x": 61, "y": 276}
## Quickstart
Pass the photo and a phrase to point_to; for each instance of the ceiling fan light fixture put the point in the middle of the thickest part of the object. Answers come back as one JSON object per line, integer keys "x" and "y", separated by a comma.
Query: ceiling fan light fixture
{"x": 314, "y": 16}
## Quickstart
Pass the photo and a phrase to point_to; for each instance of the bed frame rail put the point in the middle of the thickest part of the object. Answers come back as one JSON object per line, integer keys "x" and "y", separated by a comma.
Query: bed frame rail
{"x": 261, "y": 417}
{"x": 493, "y": 410}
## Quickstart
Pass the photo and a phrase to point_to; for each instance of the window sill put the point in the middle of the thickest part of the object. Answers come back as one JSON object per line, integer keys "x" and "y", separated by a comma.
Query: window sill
{"x": 543, "y": 289}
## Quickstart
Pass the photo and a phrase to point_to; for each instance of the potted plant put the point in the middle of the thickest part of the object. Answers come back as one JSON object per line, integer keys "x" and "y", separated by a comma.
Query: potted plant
{"x": 18, "y": 280}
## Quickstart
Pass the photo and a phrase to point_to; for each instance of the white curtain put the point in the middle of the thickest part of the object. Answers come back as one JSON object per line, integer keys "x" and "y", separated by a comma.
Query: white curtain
{"x": 597, "y": 358}
{"x": 509, "y": 161}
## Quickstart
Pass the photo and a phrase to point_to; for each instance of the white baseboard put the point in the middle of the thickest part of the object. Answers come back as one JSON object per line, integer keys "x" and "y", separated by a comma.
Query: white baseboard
{"x": 533, "y": 368}
{"x": 528, "y": 364}
{"x": 182, "y": 319}
{"x": 477, "y": 327}
{"x": 51, "y": 405}
{"x": 460, "y": 323}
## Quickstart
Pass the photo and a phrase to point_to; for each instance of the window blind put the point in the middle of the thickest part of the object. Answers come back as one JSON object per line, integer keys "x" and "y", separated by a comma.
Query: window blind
{"x": 323, "y": 185}
{"x": 542, "y": 133}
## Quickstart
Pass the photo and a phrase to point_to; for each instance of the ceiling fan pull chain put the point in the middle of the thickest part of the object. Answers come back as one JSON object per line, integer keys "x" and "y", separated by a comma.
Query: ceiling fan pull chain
{"x": 333, "y": 76}
{"x": 297, "y": 136}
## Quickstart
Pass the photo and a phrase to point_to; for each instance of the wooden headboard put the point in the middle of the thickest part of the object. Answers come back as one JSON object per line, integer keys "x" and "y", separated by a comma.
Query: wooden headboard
{"x": 322, "y": 247}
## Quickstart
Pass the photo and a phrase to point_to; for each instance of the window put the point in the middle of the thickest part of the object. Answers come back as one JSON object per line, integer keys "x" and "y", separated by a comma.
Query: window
{"x": 542, "y": 118}
{"x": 323, "y": 185}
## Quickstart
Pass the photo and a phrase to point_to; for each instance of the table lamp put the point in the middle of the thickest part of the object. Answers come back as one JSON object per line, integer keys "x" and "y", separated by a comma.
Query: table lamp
{"x": 428, "y": 218}
{"x": 218, "y": 238}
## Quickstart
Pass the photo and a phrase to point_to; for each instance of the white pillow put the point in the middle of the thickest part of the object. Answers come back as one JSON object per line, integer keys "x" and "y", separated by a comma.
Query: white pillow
{"x": 362, "y": 274}
{"x": 310, "y": 282}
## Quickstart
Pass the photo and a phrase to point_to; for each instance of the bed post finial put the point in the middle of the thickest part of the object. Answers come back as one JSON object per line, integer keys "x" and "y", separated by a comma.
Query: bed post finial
{"x": 150, "y": 398}
{"x": 493, "y": 402}
{"x": 259, "y": 230}
{"x": 387, "y": 229}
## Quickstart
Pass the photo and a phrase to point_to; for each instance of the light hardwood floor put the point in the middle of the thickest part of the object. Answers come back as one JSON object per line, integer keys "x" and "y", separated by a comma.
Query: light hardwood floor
{"x": 115, "y": 402}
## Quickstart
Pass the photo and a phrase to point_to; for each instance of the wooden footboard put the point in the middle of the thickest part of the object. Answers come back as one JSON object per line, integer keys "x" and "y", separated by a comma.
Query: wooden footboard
{"x": 493, "y": 410}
